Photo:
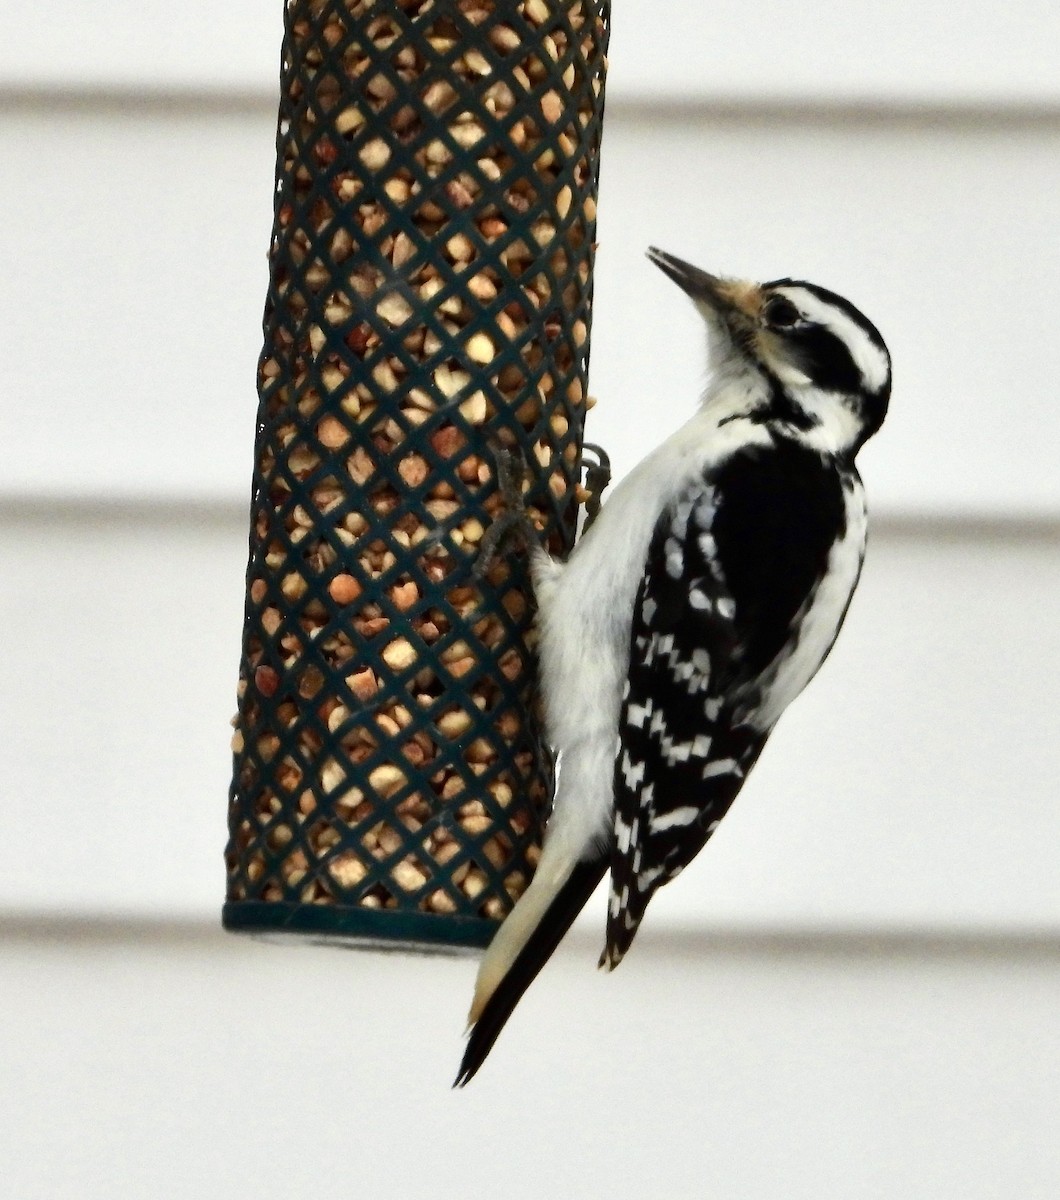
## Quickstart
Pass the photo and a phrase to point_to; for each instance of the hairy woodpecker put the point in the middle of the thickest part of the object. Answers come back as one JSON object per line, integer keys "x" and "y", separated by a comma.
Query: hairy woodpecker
{"x": 694, "y": 610}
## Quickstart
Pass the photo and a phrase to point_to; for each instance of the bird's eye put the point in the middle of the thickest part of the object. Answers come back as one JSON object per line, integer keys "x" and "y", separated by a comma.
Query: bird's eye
{"x": 780, "y": 312}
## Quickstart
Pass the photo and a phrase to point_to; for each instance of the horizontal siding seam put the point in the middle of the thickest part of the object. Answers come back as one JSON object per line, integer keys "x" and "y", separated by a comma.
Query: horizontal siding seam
{"x": 144, "y": 101}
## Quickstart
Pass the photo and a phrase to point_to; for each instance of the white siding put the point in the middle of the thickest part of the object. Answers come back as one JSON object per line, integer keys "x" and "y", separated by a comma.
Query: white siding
{"x": 912, "y": 786}
{"x": 854, "y": 991}
{"x": 138, "y": 280}
{"x": 894, "y": 51}
{"x": 194, "y": 1066}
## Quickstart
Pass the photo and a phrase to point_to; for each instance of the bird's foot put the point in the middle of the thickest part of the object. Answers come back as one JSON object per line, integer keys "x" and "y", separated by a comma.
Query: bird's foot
{"x": 597, "y": 478}
{"x": 512, "y": 529}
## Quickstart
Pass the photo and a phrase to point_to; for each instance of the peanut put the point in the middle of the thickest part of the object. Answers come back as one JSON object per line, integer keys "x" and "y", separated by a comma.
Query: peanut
{"x": 344, "y": 589}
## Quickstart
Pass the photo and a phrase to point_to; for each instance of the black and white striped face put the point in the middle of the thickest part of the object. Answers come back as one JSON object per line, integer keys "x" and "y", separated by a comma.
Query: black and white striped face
{"x": 809, "y": 338}
{"x": 826, "y": 364}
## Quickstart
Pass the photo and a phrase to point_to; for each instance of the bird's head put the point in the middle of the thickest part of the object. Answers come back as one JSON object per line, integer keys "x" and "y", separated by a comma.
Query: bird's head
{"x": 823, "y": 365}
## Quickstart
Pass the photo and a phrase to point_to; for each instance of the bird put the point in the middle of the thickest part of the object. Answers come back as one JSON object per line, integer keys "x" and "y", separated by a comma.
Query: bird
{"x": 702, "y": 600}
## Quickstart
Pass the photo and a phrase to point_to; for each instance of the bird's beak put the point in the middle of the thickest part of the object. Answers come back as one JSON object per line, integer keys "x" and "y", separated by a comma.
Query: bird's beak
{"x": 730, "y": 299}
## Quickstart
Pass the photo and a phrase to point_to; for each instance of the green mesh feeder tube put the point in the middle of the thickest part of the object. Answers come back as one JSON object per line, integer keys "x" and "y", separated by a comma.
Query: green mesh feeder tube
{"x": 430, "y": 294}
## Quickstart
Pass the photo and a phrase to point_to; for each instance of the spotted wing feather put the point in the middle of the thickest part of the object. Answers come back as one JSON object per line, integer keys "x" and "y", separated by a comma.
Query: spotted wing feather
{"x": 733, "y": 568}
{"x": 680, "y": 764}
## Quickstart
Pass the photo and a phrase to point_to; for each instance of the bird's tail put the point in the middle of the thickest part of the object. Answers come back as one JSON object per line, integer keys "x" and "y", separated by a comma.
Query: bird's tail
{"x": 521, "y": 947}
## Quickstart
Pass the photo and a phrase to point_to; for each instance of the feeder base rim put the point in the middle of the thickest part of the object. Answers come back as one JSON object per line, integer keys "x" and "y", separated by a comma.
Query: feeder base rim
{"x": 352, "y": 928}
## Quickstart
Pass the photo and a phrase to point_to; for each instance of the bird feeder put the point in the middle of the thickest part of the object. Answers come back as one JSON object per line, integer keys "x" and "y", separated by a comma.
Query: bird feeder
{"x": 429, "y": 296}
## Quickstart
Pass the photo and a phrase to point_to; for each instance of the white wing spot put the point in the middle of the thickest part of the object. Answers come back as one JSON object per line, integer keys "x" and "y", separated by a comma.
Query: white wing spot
{"x": 683, "y": 671}
{"x": 637, "y": 714}
{"x": 632, "y": 773}
{"x": 722, "y": 766}
{"x": 682, "y": 511}
{"x": 705, "y": 511}
{"x": 684, "y": 815}
{"x": 646, "y": 878}
{"x": 678, "y": 753}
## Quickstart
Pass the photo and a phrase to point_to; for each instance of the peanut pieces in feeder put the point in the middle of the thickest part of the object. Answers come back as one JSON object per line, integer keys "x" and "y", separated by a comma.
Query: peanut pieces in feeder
{"x": 431, "y": 278}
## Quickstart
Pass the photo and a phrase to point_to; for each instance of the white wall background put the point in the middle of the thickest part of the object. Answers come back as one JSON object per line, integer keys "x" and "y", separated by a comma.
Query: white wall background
{"x": 853, "y": 993}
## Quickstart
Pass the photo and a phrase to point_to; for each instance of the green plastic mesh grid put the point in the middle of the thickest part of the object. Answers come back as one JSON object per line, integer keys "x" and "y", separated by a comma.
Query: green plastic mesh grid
{"x": 430, "y": 289}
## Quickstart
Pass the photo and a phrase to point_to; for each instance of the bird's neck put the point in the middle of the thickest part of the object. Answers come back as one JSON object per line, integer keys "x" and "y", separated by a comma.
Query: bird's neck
{"x": 740, "y": 391}
{"x": 735, "y": 390}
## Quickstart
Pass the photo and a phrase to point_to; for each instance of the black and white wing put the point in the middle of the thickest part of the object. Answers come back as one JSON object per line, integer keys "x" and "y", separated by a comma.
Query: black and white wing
{"x": 720, "y": 629}
{"x": 679, "y": 764}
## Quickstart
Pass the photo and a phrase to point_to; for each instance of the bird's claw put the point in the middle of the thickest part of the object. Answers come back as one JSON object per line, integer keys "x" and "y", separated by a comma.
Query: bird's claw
{"x": 511, "y": 528}
{"x": 597, "y": 478}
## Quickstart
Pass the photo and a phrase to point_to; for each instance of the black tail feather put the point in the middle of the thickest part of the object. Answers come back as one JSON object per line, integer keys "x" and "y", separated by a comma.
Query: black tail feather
{"x": 546, "y": 937}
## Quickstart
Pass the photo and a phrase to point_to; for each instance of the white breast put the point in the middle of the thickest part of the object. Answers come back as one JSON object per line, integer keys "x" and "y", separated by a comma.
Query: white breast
{"x": 816, "y": 627}
{"x": 584, "y": 618}
{"x": 586, "y": 604}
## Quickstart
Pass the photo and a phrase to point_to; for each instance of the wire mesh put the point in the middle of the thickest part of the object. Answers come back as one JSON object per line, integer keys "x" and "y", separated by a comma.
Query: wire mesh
{"x": 430, "y": 289}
